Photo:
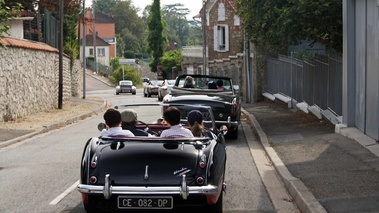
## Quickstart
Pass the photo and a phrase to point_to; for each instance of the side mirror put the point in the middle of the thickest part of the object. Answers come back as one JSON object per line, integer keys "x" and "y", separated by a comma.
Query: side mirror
{"x": 101, "y": 126}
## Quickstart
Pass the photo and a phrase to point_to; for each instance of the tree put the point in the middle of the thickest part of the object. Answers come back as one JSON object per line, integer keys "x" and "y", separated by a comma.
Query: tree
{"x": 105, "y": 5}
{"x": 279, "y": 23}
{"x": 169, "y": 60}
{"x": 156, "y": 38}
{"x": 130, "y": 28}
{"x": 6, "y": 13}
{"x": 177, "y": 24}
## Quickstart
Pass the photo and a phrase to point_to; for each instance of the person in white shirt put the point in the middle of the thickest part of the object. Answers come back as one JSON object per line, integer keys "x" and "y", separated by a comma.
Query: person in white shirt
{"x": 112, "y": 119}
{"x": 172, "y": 117}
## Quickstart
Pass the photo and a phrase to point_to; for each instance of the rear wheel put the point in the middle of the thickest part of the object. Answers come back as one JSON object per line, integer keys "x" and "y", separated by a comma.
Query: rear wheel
{"x": 232, "y": 134}
{"x": 90, "y": 209}
{"x": 144, "y": 94}
{"x": 117, "y": 93}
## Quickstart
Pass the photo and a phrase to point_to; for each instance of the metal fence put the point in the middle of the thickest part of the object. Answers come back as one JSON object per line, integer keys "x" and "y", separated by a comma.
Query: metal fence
{"x": 316, "y": 82}
{"x": 101, "y": 69}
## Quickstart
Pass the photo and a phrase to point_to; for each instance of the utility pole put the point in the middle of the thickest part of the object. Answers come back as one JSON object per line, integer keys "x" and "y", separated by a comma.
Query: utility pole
{"x": 84, "y": 42}
{"x": 204, "y": 39}
{"x": 94, "y": 35}
{"x": 60, "y": 88}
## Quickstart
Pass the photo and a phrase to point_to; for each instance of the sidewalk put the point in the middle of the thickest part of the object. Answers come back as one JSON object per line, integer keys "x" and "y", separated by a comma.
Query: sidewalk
{"x": 323, "y": 171}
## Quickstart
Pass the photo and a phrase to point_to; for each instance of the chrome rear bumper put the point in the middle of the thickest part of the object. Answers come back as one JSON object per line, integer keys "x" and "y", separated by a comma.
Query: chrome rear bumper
{"x": 183, "y": 190}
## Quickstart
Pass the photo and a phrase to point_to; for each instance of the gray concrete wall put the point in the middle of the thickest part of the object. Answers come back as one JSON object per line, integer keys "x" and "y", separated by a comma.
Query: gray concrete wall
{"x": 29, "y": 81}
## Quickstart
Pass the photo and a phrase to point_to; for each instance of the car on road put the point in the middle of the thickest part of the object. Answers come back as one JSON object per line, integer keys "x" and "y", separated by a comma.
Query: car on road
{"x": 154, "y": 173}
{"x": 165, "y": 88}
{"x": 125, "y": 86}
{"x": 225, "y": 103}
{"x": 151, "y": 88}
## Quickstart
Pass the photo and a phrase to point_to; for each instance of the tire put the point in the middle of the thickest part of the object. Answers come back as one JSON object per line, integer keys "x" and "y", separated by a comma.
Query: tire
{"x": 117, "y": 93}
{"x": 133, "y": 93}
{"x": 148, "y": 94}
{"x": 144, "y": 94}
{"x": 91, "y": 209}
{"x": 217, "y": 207}
{"x": 232, "y": 134}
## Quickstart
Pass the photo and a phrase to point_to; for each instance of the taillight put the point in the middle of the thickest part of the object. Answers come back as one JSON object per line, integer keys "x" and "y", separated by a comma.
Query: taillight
{"x": 202, "y": 163}
{"x": 235, "y": 106}
{"x": 94, "y": 162}
{"x": 200, "y": 180}
{"x": 93, "y": 179}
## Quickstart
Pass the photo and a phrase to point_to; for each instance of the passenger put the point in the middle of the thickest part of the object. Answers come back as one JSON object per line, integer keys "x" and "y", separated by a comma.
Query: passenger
{"x": 212, "y": 85}
{"x": 112, "y": 119}
{"x": 220, "y": 85}
{"x": 129, "y": 122}
{"x": 189, "y": 82}
{"x": 195, "y": 120}
{"x": 172, "y": 116}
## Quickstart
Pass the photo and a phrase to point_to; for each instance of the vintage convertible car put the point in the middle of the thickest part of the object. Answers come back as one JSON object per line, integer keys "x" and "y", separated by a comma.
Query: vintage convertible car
{"x": 154, "y": 173}
{"x": 152, "y": 88}
{"x": 225, "y": 102}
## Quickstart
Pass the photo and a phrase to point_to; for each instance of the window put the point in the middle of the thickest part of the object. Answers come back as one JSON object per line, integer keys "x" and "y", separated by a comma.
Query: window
{"x": 91, "y": 51}
{"x": 221, "y": 38}
{"x": 101, "y": 52}
{"x": 221, "y": 12}
{"x": 236, "y": 20}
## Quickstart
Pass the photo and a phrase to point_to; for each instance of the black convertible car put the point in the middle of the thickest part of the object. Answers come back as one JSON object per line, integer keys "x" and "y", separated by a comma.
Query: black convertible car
{"x": 224, "y": 100}
{"x": 154, "y": 173}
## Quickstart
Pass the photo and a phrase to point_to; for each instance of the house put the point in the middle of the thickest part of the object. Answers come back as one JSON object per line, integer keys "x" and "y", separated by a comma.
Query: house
{"x": 224, "y": 31}
{"x": 224, "y": 38}
{"x": 103, "y": 26}
{"x": 102, "y": 49}
{"x": 17, "y": 29}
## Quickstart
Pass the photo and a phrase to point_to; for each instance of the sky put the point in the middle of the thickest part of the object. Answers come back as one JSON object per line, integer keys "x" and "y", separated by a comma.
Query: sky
{"x": 193, "y": 5}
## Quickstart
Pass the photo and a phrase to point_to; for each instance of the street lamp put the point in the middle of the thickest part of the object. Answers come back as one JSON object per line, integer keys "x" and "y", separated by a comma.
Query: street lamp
{"x": 204, "y": 39}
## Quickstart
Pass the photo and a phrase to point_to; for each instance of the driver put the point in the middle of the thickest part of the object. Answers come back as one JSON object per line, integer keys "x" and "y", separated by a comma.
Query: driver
{"x": 129, "y": 122}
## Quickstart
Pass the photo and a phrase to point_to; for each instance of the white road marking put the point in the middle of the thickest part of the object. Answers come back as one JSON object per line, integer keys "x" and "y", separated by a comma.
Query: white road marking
{"x": 64, "y": 194}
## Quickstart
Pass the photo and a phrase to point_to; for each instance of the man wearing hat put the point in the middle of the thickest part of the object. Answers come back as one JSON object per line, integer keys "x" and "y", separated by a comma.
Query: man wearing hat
{"x": 129, "y": 120}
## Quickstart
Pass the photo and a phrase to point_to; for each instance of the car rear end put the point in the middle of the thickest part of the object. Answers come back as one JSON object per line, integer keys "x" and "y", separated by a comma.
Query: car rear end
{"x": 150, "y": 174}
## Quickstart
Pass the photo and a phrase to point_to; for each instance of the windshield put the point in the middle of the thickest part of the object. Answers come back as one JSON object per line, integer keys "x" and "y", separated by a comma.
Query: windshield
{"x": 126, "y": 83}
{"x": 207, "y": 82}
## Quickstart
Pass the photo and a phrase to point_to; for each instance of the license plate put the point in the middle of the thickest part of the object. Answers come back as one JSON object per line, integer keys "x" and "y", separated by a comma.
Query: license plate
{"x": 144, "y": 202}
{"x": 126, "y": 90}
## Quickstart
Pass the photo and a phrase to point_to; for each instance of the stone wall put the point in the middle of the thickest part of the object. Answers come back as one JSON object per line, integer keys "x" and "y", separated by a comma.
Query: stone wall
{"x": 29, "y": 81}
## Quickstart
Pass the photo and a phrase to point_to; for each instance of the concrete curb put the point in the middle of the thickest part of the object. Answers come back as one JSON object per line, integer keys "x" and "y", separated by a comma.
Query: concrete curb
{"x": 303, "y": 198}
{"x": 55, "y": 126}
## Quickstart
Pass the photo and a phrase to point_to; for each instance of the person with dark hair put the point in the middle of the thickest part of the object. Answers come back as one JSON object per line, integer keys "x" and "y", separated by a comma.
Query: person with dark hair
{"x": 195, "y": 120}
{"x": 172, "y": 117}
{"x": 220, "y": 84}
{"x": 129, "y": 121}
{"x": 112, "y": 119}
{"x": 212, "y": 85}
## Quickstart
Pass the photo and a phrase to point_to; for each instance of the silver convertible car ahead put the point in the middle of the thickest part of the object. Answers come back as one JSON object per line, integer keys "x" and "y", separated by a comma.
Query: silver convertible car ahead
{"x": 152, "y": 173}
{"x": 217, "y": 92}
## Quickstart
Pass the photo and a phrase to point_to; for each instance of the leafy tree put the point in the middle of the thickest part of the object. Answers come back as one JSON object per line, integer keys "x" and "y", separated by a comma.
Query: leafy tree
{"x": 169, "y": 60}
{"x": 129, "y": 27}
{"x": 105, "y": 5}
{"x": 156, "y": 38}
{"x": 129, "y": 74}
{"x": 120, "y": 45}
{"x": 279, "y": 23}
{"x": 129, "y": 54}
{"x": 177, "y": 24}
{"x": 7, "y": 12}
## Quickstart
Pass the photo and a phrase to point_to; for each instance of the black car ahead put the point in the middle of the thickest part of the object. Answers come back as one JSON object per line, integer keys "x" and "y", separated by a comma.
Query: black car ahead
{"x": 224, "y": 100}
{"x": 153, "y": 173}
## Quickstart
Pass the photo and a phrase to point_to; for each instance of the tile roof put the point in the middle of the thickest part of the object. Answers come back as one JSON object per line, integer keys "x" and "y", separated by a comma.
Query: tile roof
{"x": 23, "y": 43}
{"x": 229, "y": 2}
{"x": 99, "y": 41}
